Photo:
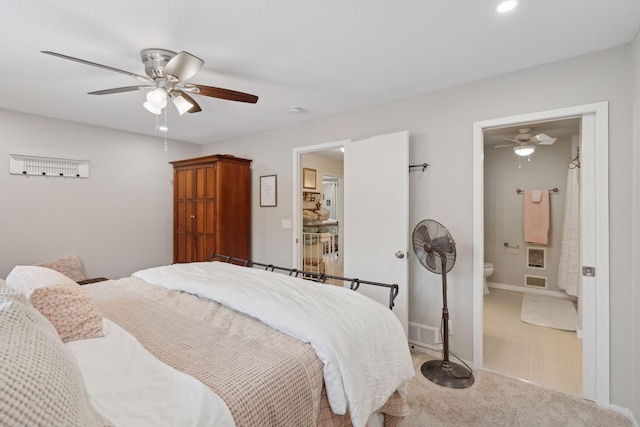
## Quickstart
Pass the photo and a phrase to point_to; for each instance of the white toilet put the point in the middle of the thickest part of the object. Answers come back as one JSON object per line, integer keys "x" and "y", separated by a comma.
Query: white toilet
{"x": 488, "y": 271}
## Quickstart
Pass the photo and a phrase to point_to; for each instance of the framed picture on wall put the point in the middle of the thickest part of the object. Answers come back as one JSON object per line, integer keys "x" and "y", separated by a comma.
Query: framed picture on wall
{"x": 269, "y": 191}
{"x": 308, "y": 178}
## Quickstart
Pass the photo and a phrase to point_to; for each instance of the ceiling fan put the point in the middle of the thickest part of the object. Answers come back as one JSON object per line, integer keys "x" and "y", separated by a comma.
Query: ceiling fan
{"x": 167, "y": 73}
{"x": 524, "y": 143}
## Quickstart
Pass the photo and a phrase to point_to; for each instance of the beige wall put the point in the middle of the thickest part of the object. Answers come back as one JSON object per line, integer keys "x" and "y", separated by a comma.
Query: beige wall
{"x": 118, "y": 221}
{"x": 440, "y": 127}
{"x": 504, "y": 172}
{"x": 635, "y": 282}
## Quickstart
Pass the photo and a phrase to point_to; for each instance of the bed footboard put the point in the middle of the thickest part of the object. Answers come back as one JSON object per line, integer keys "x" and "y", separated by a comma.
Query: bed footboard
{"x": 354, "y": 284}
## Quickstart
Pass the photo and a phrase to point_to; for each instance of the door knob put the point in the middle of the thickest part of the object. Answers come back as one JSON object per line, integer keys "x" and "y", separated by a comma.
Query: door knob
{"x": 399, "y": 254}
{"x": 193, "y": 216}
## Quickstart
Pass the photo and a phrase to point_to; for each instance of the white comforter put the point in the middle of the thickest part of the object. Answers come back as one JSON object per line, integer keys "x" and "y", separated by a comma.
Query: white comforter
{"x": 360, "y": 341}
{"x": 132, "y": 388}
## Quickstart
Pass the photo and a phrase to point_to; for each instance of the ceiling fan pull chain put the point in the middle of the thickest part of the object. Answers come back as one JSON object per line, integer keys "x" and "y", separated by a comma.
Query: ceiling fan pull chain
{"x": 166, "y": 147}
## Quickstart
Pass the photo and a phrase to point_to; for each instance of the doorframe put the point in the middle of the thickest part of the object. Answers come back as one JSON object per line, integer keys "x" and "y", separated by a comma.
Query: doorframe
{"x": 595, "y": 155}
{"x": 297, "y": 191}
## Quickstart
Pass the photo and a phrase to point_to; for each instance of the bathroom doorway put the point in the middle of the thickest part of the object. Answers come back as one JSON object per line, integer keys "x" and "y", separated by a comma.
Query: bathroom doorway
{"x": 594, "y": 238}
{"x": 531, "y": 325}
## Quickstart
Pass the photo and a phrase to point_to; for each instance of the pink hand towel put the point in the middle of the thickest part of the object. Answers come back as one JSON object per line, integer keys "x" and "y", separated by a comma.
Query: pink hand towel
{"x": 536, "y": 217}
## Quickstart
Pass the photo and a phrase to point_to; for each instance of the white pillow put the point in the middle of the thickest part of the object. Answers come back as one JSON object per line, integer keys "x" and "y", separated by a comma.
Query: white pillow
{"x": 25, "y": 278}
{"x": 68, "y": 306}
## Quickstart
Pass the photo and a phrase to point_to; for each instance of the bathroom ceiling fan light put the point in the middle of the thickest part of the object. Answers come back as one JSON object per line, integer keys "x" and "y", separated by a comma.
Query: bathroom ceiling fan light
{"x": 506, "y": 6}
{"x": 524, "y": 150}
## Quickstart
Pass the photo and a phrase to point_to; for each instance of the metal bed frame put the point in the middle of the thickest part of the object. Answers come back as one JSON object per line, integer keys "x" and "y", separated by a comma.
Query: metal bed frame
{"x": 354, "y": 284}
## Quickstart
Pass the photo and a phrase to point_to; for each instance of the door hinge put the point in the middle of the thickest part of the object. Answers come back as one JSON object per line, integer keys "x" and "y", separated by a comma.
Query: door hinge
{"x": 588, "y": 271}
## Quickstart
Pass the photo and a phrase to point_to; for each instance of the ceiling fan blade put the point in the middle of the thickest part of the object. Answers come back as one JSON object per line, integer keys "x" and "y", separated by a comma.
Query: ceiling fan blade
{"x": 120, "y": 90}
{"x": 183, "y": 66}
{"x": 93, "y": 64}
{"x": 514, "y": 140}
{"x": 543, "y": 139}
{"x": 184, "y": 103}
{"x": 216, "y": 92}
{"x": 503, "y": 145}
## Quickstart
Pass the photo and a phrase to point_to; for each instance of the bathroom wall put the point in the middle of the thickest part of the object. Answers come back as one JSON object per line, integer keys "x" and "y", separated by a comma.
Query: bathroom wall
{"x": 503, "y": 209}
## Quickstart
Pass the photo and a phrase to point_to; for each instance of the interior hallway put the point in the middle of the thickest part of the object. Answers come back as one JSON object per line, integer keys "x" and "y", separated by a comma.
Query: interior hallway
{"x": 549, "y": 357}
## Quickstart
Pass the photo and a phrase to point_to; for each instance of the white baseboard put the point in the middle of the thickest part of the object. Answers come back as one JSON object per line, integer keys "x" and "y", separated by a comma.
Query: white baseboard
{"x": 624, "y": 411}
{"x": 514, "y": 288}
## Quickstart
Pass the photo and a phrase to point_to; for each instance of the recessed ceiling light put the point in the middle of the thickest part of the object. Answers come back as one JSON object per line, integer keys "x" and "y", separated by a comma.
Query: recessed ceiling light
{"x": 295, "y": 110}
{"x": 506, "y": 6}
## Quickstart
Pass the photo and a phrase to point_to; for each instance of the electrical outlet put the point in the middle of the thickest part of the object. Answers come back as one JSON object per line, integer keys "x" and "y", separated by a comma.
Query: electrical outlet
{"x": 450, "y": 327}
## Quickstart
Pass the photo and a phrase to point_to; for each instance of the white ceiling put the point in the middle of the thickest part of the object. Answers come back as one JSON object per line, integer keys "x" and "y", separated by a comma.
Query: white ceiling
{"x": 325, "y": 56}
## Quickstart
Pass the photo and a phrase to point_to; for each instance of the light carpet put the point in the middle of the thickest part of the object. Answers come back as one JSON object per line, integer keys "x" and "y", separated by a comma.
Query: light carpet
{"x": 551, "y": 312}
{"x": 497, "y": 400}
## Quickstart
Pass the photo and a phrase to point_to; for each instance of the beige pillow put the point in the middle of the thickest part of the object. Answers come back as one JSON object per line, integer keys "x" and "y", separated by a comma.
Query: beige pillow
{"x": 70, "y": 266}
{"x": 40, "y": 382}
{"x": 68, "y": 307}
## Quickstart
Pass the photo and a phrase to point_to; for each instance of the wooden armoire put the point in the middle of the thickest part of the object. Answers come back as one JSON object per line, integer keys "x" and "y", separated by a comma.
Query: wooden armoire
{"x": 211, "y": 208}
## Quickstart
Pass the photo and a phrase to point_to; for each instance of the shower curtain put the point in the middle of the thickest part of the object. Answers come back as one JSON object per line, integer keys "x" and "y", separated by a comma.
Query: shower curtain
{"x": 569, "y": 268}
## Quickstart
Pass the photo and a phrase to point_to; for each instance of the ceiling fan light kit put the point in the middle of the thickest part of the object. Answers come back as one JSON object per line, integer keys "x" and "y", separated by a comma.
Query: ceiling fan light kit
{"x": 524, "y": 150}
{"x": 157, "y": 98}
{"x": 181, "y": 103}
{"x": 166, "y": 74}
{"x": 151, "y": 108}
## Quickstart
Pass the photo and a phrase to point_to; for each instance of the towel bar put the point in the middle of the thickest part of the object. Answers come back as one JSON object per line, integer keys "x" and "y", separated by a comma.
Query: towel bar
{"x": 551, "y": 190}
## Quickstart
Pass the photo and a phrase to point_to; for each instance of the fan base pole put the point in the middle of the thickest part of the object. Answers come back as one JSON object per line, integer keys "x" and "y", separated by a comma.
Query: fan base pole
{"x": 447, "y": 374}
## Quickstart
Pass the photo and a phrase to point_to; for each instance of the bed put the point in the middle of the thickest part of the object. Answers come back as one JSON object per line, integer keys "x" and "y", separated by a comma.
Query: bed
{"x": 219, "y": 344}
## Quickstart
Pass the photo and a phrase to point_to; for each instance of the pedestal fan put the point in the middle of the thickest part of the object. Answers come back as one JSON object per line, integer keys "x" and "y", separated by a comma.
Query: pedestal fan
{"x": 436, "y": 251}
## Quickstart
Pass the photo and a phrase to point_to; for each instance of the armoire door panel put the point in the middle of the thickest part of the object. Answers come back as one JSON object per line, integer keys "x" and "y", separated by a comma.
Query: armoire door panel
{"x": 184, "y": 221}
{"x": 210, "y": 179}
{"x": 205, "y": 182}
{"x": 209, "y": 216}
{"x": 205, "y": 215}
{"x": 205, "y": 246}
{"x": 201, "y": 182}
{"x": 200, "y": 220}
{"x": 183, "y": 247}
{"x": 183, "y": 182}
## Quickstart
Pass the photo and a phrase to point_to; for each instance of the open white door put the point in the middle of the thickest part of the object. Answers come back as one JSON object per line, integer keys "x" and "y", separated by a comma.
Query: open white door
{"x": 376, "y": 216}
